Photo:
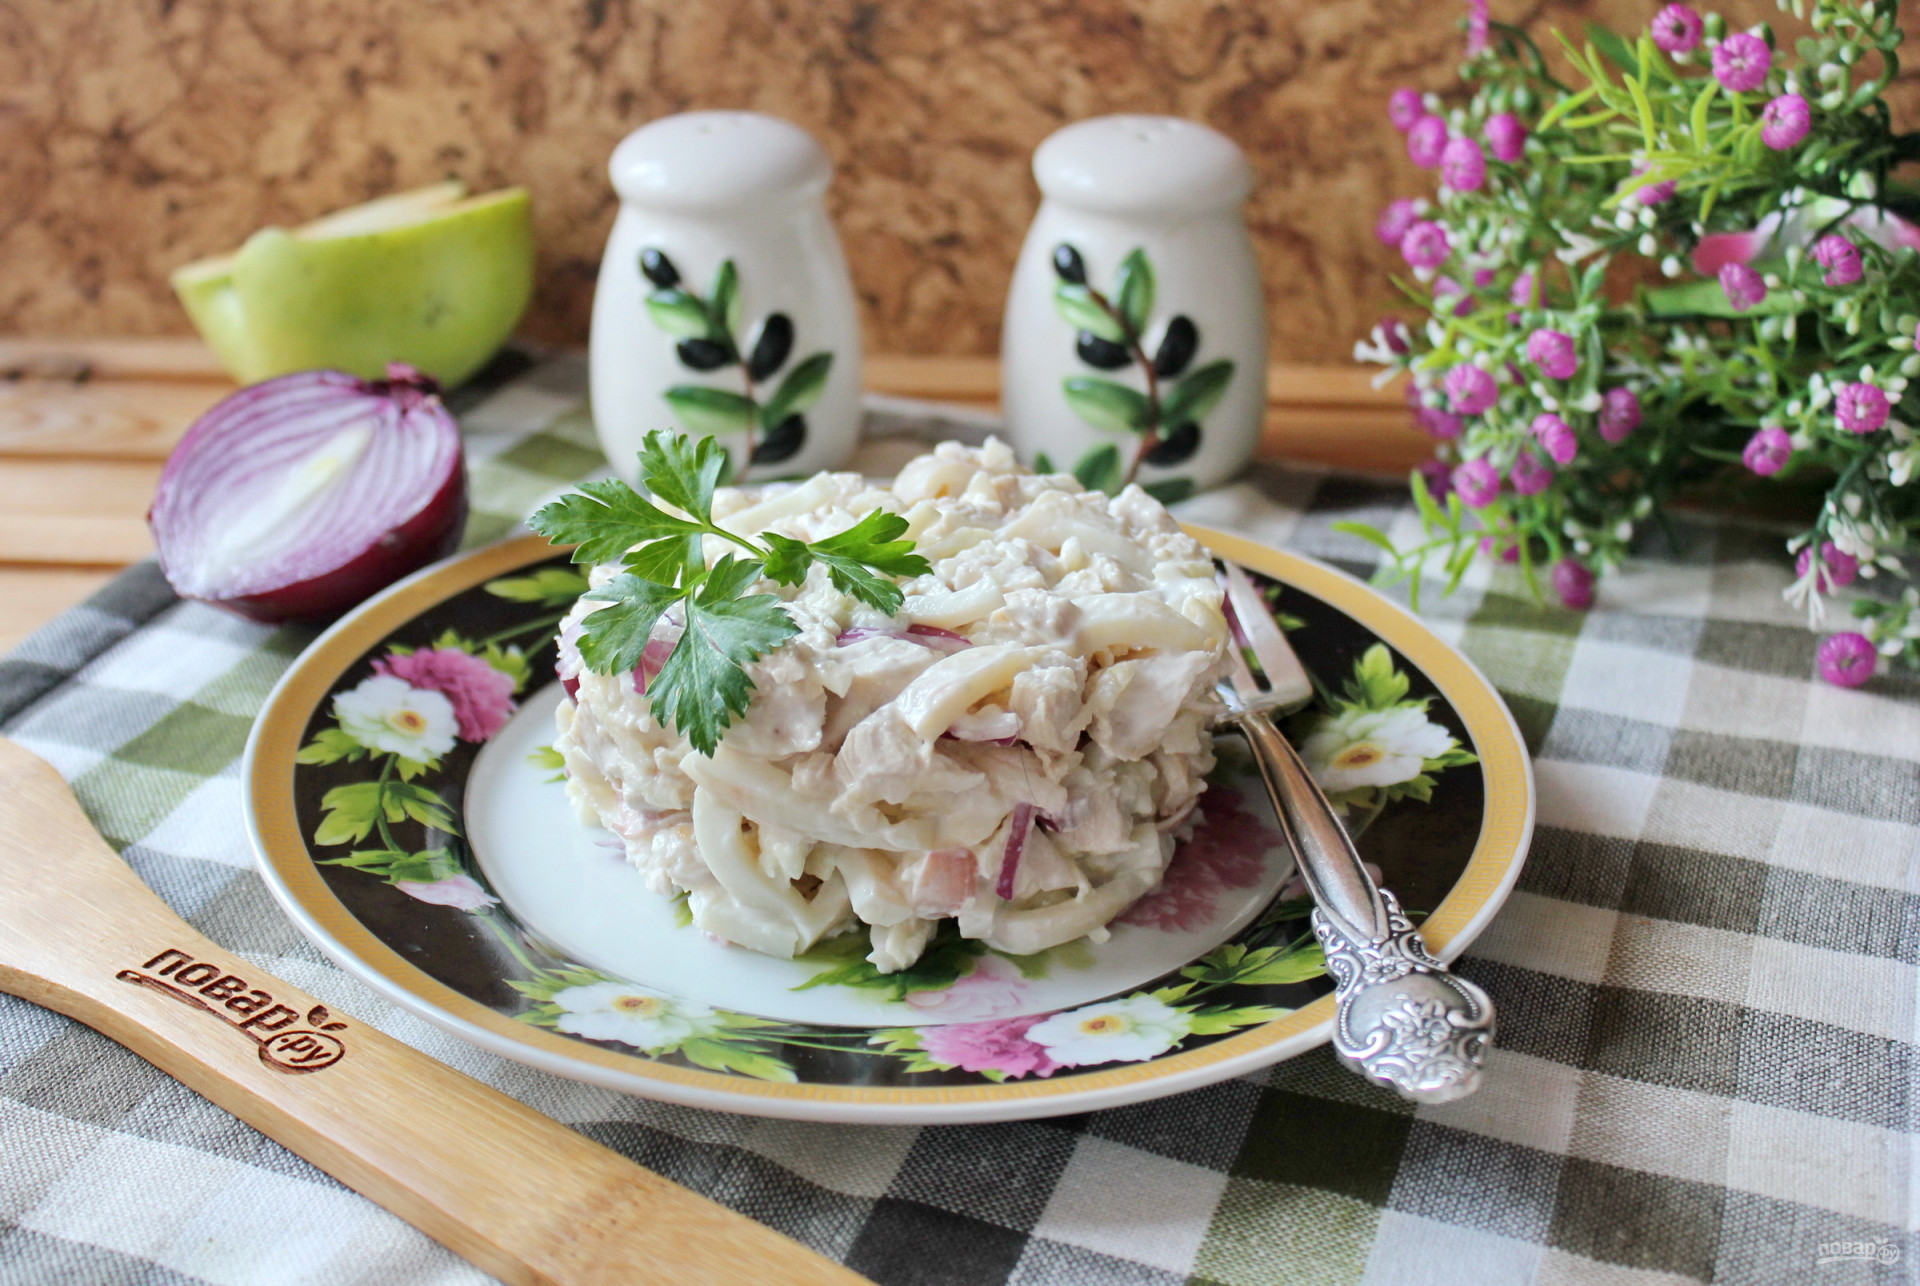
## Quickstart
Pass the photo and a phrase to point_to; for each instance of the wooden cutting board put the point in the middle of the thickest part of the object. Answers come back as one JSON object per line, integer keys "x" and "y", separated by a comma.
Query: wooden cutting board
{"x": 86, "y": 424}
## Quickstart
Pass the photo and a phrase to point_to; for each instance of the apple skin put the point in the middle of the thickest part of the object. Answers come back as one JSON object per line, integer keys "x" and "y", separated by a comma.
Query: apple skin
{"x": 441, "y": 294}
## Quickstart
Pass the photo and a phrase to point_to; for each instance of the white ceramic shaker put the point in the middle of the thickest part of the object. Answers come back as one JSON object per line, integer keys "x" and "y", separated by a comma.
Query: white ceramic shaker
{"x": 1135, "y": 344}
{"x": 724, "y": 305}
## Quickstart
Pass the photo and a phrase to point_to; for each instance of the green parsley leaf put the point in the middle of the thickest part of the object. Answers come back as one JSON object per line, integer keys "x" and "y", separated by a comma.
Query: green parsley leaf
{"x": 605, "y": 519}
{"x": 683, "y": 471}
{"x": 871, "y": 545}
{"x": 669, "y": 560}
{"x": 612, "y": 639}
{"x": 704, "y": 686}
{"x": 787, "y": 558}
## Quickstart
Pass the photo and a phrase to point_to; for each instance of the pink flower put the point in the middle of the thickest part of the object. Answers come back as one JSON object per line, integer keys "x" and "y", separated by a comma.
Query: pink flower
{"x": 1394, "y": 335}
{"x": 998, "y": 1046}
{"x": 1506, "y": 137}
{"x": 482, "y": 696}
{"x": 1742, "y": 286}
{"x": 1767, "y": 451}
{"x": 1521, "y": 296}
{"x": 995, "y": 987}
{"x": 1847, "y": 660}
{"x": 1741, "y": 62}
{"x": 1425, "y": 245}
{"x": 1463, "y": 166}
{"x": 1554, "y": 434}
{"x": 1445, "y": 287}
{"x": 1477, "y": 27}
{"x": 1676, "y": 29}
{"x": 1619, "y": 413}
{"x": 1530, "y": 477}
{"x": 1573, "y": 582}
{"x": 1228, "y": 851}
{"x": 1861, "y": 408}
{"x": 1840, "y": 257}
{"x": 1405, "y": 109}
{"x": 1552, "y": 352}
{"x": 461, "y": 892}
{"x": 1394, "y": 221}
{"x": 1436, "y": 423}
{"x": 1718, "y": 249}
{"x": 1656, "y": 193}
{"x": 1471, "y": 389}
{"x": 1426, "y": 140}
{"x": 1506, "y": 553}
{"x": 1785, "y": 122}
{"x": 1438, "y": 475}
{"x": 1478, "y": 483}
{"x": 1838, "y": 568}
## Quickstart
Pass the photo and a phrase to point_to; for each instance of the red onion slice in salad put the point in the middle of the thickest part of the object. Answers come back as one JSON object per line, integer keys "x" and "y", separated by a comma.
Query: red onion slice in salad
{"x": 296, "y": 498}
{"x": 926, "y": 635}
{"x": 1016, "y": 844}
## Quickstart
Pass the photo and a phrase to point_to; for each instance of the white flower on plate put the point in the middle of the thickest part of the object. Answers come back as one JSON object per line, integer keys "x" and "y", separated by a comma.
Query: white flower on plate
{"x": 1359, "y": 748}
{"x": 1127, "y": 1030}
{"x": 632, "y": 1015}
{"x": 391, "y": 715}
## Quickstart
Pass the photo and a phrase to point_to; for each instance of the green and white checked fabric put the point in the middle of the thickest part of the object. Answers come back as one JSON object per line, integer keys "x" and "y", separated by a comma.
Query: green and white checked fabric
{"x": 1706, "y": 1067}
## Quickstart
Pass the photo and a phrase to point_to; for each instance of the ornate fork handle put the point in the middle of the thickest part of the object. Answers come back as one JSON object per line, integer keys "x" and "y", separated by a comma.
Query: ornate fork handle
{"x": 1400, "y": 1019}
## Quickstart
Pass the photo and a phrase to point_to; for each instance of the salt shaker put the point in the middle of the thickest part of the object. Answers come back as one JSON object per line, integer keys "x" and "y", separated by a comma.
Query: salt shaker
{"x": 724, "y": 305}
{"x": 1135, "y": 343}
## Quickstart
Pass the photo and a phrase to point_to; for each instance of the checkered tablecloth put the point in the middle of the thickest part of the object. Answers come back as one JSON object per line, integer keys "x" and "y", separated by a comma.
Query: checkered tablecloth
{"x": 1705, "y": 1073}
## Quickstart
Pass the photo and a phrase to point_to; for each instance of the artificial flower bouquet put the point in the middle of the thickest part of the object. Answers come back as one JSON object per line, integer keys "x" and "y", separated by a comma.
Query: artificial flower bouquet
{"x": 1685, "y": 263}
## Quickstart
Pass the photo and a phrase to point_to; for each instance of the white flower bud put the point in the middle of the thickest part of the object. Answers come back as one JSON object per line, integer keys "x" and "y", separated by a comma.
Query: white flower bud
{"x": 1670, "y": 266}
{"x": 1648, "y": 246}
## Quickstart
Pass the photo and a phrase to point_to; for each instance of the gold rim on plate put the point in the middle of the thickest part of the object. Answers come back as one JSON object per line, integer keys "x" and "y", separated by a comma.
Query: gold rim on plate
{"x": 290, "y": 870}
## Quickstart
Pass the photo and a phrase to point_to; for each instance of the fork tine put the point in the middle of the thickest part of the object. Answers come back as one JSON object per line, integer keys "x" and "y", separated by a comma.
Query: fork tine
{"x": 1287, "y": 680}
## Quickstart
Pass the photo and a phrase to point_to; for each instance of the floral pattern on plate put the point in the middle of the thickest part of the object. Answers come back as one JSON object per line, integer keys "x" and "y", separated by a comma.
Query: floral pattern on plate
{"x": 385, "y": 757}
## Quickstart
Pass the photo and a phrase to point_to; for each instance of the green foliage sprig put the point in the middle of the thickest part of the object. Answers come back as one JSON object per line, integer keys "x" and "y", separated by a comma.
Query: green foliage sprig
{"x": 1680, "y": 271}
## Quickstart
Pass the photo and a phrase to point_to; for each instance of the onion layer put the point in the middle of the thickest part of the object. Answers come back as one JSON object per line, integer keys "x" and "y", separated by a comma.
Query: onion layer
{"x": 298, "y": 497}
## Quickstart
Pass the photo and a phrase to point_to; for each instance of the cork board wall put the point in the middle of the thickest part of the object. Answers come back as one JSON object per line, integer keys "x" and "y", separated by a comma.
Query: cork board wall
{"x": 136, "y": 135}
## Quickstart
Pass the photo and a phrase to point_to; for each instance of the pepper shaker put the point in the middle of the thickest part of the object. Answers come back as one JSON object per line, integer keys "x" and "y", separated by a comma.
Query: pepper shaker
{"x": 1135, "y": 342}
{"x": 723, "y": 305}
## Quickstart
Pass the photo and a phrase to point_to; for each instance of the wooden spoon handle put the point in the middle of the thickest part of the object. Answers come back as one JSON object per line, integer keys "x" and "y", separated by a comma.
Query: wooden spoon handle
{"x": 518, "y": 1194}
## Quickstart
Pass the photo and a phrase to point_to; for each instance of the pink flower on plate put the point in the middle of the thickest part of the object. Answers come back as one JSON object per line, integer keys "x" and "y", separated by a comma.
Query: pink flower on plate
{"x": 482, "y": 696}
{"x": 461, "y": 892}
{"x": 1785, "y": 122}
{"x": 1227, "y": 851}
{"x": 1741, "y": 62}
{"x": 994, "y": 988}
{"x": 997, "y": 1046}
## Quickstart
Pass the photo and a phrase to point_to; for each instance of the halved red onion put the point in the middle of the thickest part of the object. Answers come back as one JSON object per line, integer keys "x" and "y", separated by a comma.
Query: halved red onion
{"x": 653, "y": 659}
{"x": 1016, "y": 844}
{"x": 298, "y": 497}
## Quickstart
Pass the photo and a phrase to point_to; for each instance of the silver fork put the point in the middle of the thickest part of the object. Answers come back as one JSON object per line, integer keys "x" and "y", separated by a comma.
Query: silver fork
{"x": 1400, "y": 1019}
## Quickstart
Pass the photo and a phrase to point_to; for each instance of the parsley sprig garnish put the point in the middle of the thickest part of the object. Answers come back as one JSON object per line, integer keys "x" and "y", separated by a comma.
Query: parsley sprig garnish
{"x": 703, "y": 687}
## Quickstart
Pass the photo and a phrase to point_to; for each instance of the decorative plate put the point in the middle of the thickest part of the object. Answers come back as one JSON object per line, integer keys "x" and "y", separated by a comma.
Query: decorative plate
{"x": 411, "y": 818}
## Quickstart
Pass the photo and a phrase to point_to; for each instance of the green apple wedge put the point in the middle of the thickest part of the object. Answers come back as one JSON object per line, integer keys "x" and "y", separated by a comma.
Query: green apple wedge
{"x": 430, "y": 277}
